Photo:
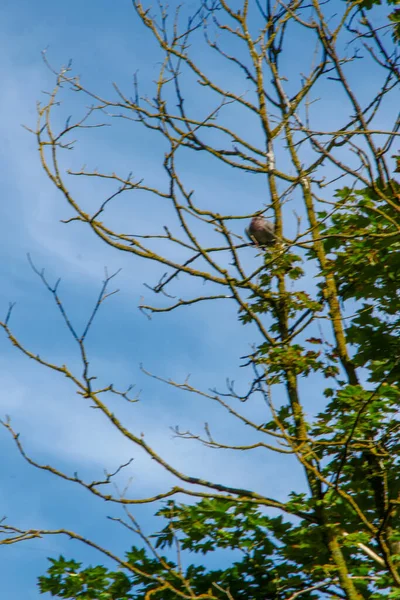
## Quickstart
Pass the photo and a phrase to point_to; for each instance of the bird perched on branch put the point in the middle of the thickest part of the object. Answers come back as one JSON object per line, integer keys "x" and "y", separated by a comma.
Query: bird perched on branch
{"x": 261, "y": 232}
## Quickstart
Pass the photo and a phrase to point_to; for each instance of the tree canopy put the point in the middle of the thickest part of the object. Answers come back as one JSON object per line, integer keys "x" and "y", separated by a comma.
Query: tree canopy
{"x": 322, "y": 302}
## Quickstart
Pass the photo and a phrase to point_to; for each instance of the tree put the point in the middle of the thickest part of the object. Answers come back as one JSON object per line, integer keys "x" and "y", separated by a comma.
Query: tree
{"x": 340, "y": 539}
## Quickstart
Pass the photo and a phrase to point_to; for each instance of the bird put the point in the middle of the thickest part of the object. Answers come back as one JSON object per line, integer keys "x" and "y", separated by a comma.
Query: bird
{"x": 261, "y": 231}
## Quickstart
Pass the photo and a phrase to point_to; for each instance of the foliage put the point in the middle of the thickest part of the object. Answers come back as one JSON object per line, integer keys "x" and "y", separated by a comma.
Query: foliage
{"x": 369, "y": 272}
{"x": 66, "y": 579}
{"x": 394, "y": 16}
{"x": 340, "y": 538}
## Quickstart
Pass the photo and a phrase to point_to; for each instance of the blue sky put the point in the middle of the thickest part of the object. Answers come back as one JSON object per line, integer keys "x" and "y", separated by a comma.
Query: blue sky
{"x": 106, "y": 43}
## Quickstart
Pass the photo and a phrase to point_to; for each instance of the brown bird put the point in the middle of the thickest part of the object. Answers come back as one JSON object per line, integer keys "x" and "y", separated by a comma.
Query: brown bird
{"x": 261, "y": 232}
